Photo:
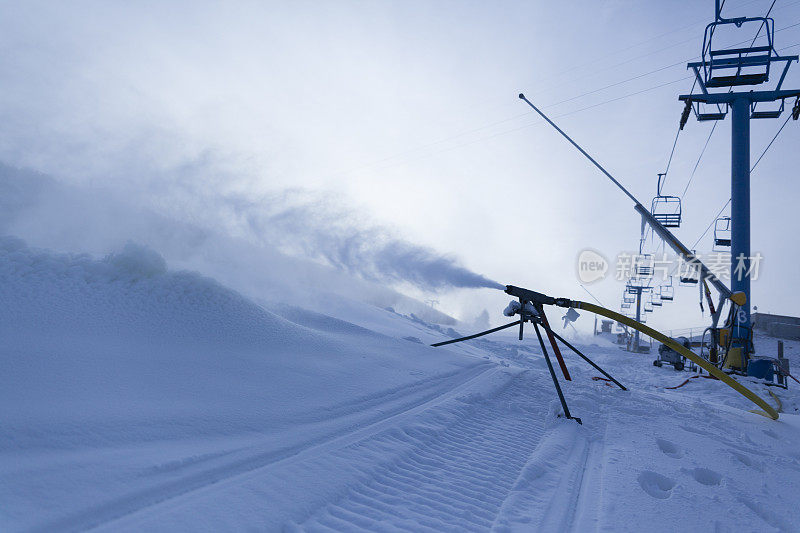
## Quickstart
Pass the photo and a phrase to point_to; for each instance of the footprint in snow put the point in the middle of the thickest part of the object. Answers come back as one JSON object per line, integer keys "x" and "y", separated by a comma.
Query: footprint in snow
{"x": 669, "y": 449}
{"x": 656, "y": 485}
{"x": 706, "y": 476}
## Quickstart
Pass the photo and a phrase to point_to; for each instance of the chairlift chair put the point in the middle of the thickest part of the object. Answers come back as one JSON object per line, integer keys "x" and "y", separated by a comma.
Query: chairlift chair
{"x": 655, "y": 297}
{"x": 766, "y": 113}
{"x": 625, "y": 305}
{"x": 722, "y": 233}
{"x": 643, "y": 267}
{"x": 667, "y": 291}
{"x": 666, "y": 209}
{"x": 628, "y": 298}
{"x": 648, "y": 307}
{"x": 689, "y": 278}
{"x": 732, "y": 67}
{"x": 736, "y": 66}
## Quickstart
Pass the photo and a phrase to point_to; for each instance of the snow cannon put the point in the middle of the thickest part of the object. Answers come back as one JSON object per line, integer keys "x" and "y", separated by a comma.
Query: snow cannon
{"x": 537, "y": 298}
{"x": 529, "y": 305}
{"x": 530, "y": 308}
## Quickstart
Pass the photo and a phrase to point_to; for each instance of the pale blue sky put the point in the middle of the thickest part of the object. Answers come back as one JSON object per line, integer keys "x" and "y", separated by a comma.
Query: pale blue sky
{"x": 408, "y": 113}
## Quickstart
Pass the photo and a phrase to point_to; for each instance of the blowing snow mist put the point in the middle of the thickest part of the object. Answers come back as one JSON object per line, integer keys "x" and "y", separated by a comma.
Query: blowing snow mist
{"x": 297, "y": 223}
{"x": 322, "y": 230}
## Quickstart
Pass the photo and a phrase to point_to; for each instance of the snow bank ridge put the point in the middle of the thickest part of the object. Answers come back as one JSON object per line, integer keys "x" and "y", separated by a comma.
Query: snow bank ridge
{"x": 127, "y": 293}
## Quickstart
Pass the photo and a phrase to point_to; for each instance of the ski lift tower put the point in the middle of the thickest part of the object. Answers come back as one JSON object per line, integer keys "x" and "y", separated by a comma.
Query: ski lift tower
{"x": 726, "y": 69}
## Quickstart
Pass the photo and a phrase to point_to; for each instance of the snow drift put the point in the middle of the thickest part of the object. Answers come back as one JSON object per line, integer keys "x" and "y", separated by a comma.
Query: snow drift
{"x": 119, "y": 348}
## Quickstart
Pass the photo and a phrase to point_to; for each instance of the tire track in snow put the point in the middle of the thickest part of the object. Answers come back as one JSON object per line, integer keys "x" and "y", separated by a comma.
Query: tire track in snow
{"x": 457, "y": 481}
{"x": 126, "y": 511}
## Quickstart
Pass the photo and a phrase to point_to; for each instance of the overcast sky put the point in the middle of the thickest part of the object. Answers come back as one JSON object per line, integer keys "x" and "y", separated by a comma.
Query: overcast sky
{"x": 407, "y": 114}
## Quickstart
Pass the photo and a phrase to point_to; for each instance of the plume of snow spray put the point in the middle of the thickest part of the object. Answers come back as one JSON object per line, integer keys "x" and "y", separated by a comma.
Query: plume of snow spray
{"x": 295, "y": 222}
{"x": 320, "y": 229}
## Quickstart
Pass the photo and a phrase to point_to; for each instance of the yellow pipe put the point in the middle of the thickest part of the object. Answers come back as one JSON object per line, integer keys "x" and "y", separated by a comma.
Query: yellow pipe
{"x": 780, "y": 404}
{"x": 713, "y": 370}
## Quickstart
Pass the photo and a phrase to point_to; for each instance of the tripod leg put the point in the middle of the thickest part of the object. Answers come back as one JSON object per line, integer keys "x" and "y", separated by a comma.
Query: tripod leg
{"x": 553, "y": 375}
{"x": 571, "y": 347}
{"x": 554, "y": 344}
{"x": 481, "y": 334}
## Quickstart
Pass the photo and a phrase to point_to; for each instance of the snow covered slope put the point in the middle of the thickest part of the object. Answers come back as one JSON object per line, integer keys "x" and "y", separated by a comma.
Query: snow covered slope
{"x": 135, "y": 398}
{"x": 122, "y": 353}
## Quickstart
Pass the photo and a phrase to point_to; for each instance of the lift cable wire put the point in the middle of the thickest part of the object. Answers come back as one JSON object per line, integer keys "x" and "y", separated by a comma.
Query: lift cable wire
{"x": 570, "y": 112}
{"x": 714, "y": 127}
{"x": 703, "y": 151}
{"x": 400, "y": 160}
{"x": 648, "y": 229}
{"x": 517, "y": 116}
{"x": 672, "y": 153}
{"x": 751, "y": 170}
{"x": 403, "y": 160}
{"x": 662, "y": 49}
{"x": 529, "y": 124}
{"x": 761, "y": 27}
{"x": 719, "y": 213}
{"x": 547, "y": 81}
{"x": 763, "y": 153}
{"x": 708, "y": 139}
{"x": 638, "y": 76}
{"x": 772, "y": 141}
{"x": 590, "y": 294}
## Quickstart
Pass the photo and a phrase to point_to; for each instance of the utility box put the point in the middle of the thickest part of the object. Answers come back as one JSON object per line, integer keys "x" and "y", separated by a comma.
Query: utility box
{"x": 761, "y": 369}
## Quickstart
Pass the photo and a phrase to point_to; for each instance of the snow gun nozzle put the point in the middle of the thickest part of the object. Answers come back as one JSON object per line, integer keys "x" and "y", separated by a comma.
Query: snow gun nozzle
{"x": 521, "y": 96}
{"x": 527, "y": 295}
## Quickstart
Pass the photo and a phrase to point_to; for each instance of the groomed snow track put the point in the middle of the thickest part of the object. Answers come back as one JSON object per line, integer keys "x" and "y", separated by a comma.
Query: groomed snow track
{"x": 468, "y": 460}
{"x": 453, "y": 481}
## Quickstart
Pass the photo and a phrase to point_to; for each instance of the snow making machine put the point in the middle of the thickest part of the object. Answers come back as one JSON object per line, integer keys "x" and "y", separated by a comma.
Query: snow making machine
{"x": 669, "y": 356}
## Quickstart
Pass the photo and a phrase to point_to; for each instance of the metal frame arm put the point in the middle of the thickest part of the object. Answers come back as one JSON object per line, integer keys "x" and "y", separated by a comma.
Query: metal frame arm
{"x": 481, "y": 334}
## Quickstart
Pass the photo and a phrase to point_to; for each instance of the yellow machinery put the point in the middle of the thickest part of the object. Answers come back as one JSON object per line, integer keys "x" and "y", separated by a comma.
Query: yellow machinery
{"x": 736, "y": 299}
{"x": 530, "y": 308}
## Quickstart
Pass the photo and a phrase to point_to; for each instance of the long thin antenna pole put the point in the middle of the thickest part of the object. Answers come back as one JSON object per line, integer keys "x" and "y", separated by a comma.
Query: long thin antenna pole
{"x": 590, "y": 294}
{"x": 581, "y": 150}
{"x": 659, "y": 228}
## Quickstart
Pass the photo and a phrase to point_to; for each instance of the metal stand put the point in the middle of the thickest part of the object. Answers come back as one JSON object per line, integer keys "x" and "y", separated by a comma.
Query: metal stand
{"x": 481, "y": 334}
{"x": 553, "y": 375}
{"x": 531, "y": 309}
{"x": 571, "y": 347}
